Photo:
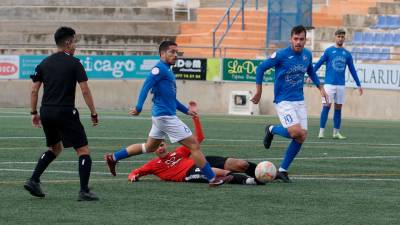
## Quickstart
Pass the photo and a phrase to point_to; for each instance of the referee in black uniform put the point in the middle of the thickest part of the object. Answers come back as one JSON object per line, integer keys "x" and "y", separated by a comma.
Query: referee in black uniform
{"x": 59, "y": 118}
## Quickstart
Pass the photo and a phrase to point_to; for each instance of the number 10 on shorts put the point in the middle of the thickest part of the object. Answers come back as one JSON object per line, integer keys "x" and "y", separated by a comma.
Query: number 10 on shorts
{"x": 288, "y": 119}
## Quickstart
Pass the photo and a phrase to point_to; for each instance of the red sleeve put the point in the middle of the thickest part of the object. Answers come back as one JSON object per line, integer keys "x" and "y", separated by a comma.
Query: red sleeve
{"x": 198, "y": 129}
{"x": 183, "y": 150}
{"x": 144, "y": 170}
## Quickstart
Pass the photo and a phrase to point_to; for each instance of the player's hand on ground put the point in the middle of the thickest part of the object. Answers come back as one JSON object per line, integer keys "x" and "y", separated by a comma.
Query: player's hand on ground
{"x": 132, "y": 177}
{"x": 256, "y": 98}
{"x": 133, "y": 112}
{"x": 36, "y": 121}
{"x": 95, "y": 119}
{"x": 360, "y": 90}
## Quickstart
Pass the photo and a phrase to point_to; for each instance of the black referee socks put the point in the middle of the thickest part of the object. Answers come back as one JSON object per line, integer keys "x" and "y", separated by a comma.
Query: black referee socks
{"x": 43, "y": 162}
{"x": 85, "y": 165}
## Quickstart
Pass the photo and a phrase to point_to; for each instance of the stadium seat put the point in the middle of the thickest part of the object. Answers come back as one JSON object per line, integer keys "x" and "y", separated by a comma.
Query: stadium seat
{"x": 391, "y": 22}
{"x": 375, "y": 54}
{"x": 385, "y": 54}
{"x": 356, "y": 53}
{"x": 368, "y": 38}
{"x": 357, "y": 38}
{"x": 381, "y": 23}
{"x": 378, "y": 38}
{"x": 365, "y": 54}
{"x": 396, "y": 39}
{"x": 388, "y": 39}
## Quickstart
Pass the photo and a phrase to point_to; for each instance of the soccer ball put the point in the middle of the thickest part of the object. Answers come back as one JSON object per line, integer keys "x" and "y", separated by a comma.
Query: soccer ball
{"x": 265, "y": 171}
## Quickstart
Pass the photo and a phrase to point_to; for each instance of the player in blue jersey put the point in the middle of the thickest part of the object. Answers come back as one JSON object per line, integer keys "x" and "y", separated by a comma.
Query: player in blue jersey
{"x": 161, "y": 82}
{"x": 290, "y": 64}
{"x": 336, "y": 59}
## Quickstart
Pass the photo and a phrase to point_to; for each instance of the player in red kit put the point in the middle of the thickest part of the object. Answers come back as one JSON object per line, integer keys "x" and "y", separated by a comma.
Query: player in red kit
{"x": 177, "y": 165}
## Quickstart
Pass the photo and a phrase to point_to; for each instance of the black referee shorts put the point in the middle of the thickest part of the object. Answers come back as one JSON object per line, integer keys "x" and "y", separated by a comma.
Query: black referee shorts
{"x": 216, "y": 161}
{"x": 63, "y": 124}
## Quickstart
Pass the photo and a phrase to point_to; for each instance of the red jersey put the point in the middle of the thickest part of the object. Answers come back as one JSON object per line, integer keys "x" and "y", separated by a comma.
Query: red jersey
{"x": 175, "y": 165}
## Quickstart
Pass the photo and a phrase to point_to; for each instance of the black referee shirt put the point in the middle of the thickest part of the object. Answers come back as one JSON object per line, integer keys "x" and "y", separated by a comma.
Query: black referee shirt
{"x": 59, "y": 74}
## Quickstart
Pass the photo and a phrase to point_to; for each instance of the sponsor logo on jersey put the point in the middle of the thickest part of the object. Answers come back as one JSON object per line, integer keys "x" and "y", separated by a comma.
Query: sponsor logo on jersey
{"x": 273, "y": 55}
{"x": 155, "y": 71}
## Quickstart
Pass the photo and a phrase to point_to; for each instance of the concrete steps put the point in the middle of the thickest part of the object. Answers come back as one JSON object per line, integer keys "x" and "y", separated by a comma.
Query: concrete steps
{"x": 384, "y": 8}
{"x": 93, "y": 27}
{"x": 226, "y": 3}
{"x": 120, "y": 3}
{"x": 66, "y": 13}
{"x": 199, "y": 33}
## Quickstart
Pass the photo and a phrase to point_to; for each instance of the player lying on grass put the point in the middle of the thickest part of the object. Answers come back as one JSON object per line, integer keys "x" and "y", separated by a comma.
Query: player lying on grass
{"x": 179, "y": 167}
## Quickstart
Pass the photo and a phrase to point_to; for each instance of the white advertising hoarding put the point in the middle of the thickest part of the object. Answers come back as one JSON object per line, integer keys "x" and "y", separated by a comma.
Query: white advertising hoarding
{"x": 376, "y": 76}
{"x": 9, "y": 67}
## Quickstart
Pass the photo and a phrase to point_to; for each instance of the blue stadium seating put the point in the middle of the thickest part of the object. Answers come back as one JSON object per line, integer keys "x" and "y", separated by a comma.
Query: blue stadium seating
{"x": 388, "y": 39}
{"x": 396, "y": 39}
{"x": 356, "y": 53}
{"x": 385, "y": 54}
{"x": 381, "y": 23}
{"x": 368, "y": 38}
{"x": 378, "y": 38}
{"x": 392, "y": 22}
{"x": 365, "y": 54}
{"x": 357, "y": 38}
{"x": 375, "y": 54}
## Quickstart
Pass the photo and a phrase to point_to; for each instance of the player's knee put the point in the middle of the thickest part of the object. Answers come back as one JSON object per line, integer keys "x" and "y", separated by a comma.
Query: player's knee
{"x": 146, "y": 148}
{"x": 236, "y": 165}
{"x": 56, "y": 149}
{"x": 84, "y": 150}
{"x": 298, "y": 134}
{"x": 242, "y": 165}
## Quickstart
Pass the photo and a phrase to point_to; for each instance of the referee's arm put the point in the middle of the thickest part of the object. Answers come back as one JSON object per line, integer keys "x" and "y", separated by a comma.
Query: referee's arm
{"x": 87, "y": 95}
{"x": 35, "y": 95}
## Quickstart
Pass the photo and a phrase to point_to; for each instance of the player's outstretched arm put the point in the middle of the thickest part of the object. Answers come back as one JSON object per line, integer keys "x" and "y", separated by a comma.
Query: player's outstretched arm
{"x": 144, "y": 170}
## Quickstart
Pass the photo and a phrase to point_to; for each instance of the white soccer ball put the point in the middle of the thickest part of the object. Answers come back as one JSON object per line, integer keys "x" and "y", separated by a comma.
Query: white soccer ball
{"x": 265, "y": 171}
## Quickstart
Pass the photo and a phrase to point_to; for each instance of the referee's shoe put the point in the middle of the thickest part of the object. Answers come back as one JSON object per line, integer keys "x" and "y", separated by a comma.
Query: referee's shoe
{"x": 87, "y": 196}
{"x": 34, "y": 188}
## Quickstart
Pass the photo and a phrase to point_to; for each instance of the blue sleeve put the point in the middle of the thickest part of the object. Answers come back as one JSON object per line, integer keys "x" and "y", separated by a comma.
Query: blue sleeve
{"x": 148, "y": 84}
{"x": 321, "y": 61}
{"x": 311, "y": 73}
{"x": 353, "y": 70}
{"x": 181, "y": 107}
{"x": 264, "y": 66}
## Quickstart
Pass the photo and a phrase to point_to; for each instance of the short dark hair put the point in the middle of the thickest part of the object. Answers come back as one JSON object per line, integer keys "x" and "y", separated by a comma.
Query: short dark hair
{"x": 165, "y": 45}
{"x": 298, "y": 29}
{"x": 62, "y": 34}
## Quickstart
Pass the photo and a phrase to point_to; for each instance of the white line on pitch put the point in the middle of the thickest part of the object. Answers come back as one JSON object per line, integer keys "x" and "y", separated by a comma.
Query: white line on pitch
{"x": 229, "y": 140}
{"x": 249, "y": 159}
{"x": 59, "y": 171}
{"x": 296, "y": 177}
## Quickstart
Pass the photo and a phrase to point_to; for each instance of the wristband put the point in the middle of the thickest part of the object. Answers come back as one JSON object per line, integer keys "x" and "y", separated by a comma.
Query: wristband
{"x": 34, "y": 112}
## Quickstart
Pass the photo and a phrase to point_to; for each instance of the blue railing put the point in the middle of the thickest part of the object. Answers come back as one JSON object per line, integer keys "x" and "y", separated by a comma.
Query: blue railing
{"x": 229, "y": 23}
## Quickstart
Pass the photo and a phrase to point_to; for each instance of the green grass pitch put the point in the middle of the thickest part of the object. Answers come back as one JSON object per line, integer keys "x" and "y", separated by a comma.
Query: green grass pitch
{"x": 353, "y": 181}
